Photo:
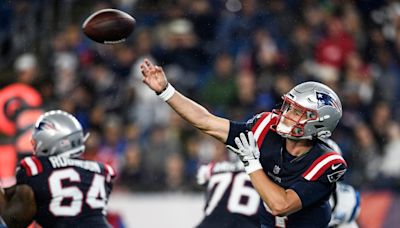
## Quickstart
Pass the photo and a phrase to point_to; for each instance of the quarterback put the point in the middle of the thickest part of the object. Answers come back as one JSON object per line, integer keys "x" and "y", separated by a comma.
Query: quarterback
{"x": 283, "y": 151}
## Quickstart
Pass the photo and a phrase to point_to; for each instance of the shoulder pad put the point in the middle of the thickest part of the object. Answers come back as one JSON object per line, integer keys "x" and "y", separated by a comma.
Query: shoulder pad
{"x": 253, "y": 121}
{"x": 329, "y": 167}
{"x": 261, "y": 124}
{"x": 32, "y": 166}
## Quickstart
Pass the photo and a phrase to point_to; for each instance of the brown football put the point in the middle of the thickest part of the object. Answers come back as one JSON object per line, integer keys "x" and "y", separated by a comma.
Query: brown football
{"x": 109, "y": 26}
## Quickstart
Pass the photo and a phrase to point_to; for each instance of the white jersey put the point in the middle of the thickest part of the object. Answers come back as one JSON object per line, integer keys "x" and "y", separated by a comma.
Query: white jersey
{"x": 345, "y": 202}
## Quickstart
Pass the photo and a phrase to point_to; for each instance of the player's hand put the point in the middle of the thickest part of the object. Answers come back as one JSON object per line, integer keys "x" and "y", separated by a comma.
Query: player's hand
{"x": 153, "y": 76}
{"x": 247, "y": 151}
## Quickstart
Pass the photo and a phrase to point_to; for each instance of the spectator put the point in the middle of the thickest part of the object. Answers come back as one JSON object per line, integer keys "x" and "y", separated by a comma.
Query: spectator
{"x": 365, "y": 158}
{"x": 261, "y": 47}
{"x": 390, "y": 167}
{"x": 335, "y": 46}
{"x": 131, "y": 174}
{"x": 220, "y": 90}
{"x": 156, "y": 151}
{"x": 175, "y": 177}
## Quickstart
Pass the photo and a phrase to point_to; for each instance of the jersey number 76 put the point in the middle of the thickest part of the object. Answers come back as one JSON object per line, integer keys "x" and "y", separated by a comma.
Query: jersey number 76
{"x": 239, "y": 189}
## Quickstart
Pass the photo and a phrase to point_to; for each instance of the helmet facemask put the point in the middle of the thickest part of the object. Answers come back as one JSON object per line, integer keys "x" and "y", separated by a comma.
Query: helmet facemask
{"x": 292, "y": 119}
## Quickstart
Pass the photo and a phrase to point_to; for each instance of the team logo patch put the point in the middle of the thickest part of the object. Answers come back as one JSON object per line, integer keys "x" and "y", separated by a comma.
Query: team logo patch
{"x": 333, "y": 177}
{"x": 46, "y": 126}
{"x": 324, "y": 99}
{"x": 276, "y": 169}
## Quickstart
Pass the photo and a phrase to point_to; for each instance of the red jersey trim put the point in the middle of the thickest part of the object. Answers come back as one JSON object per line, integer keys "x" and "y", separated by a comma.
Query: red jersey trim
{"x": 110, "y": 170}
{"x": 324, "y": 162}
{"x": 32, "y": 166}
{"x": 262, "y": 127}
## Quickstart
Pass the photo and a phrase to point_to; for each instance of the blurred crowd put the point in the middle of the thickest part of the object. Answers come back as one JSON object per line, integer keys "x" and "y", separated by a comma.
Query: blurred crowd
{"x": 235, "y": 57}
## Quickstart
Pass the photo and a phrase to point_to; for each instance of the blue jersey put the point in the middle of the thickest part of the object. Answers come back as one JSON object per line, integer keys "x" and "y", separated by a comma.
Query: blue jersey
{"x": 231, "y": 201}
{"x": 68, "y": 192}
{"x": 312, "y": 175}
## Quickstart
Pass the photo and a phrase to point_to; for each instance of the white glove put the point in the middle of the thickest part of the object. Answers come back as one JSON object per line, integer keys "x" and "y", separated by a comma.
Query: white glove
{"x": 247, "y": 151}
{"x": 203, "y": 174}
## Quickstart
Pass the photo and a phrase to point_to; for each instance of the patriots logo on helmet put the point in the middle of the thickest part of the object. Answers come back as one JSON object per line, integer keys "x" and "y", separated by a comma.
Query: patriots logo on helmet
{"x": 46, "y": 126}
{"x": 324, "y": 99}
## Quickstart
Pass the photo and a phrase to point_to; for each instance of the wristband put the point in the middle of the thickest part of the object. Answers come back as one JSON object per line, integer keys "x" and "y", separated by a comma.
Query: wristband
{"x": 167, "y": 93}
{"x": 252, "y": 166}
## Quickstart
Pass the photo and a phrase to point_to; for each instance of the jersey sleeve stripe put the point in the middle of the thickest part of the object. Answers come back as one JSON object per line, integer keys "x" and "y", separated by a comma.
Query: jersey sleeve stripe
{"x": 33, "y": 169}
{"x": 263, "y": 116}
{"x": 26, "y": 167}
{"x": 265, "y": 131}
{"x": 322, "y": 164}
{"x": 261, "y": 128}
{"x": 318, "y": 160}
{"x": 325, "y": 167}
{"x": 38, "y": 164}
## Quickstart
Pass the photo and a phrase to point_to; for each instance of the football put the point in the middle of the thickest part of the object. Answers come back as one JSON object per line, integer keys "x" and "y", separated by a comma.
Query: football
{"x": 109, "y": 26}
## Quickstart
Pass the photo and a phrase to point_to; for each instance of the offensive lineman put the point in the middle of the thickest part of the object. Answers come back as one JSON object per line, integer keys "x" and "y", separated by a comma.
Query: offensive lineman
{"x": 231, "y": 200}
{"x": 54, "y": 187}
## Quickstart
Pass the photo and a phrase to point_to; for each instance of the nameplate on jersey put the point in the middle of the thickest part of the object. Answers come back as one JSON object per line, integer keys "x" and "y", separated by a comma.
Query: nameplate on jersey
{"x": 60, "y": 162}
{"x": 223, "y": 167}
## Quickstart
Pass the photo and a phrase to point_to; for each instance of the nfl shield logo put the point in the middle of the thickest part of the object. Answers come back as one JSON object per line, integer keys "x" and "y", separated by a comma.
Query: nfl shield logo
{"x": 276, "y": 169}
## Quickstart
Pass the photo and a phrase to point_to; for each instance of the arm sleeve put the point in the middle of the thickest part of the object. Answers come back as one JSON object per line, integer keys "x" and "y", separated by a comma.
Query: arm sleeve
{"x": 235, "y": 128}
{"x": 312, "y": 191}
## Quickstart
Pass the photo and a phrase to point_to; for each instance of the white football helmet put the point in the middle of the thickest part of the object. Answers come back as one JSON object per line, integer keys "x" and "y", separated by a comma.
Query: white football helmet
{"x": 310, "y": 110}
{"x": 57, "y": 132}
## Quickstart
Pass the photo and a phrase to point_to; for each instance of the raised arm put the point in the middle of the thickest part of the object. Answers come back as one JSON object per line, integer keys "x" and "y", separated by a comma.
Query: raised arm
{"x": 154, "y": 77}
